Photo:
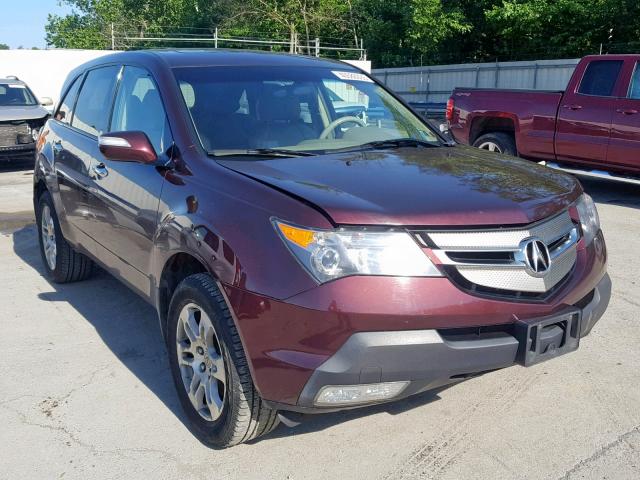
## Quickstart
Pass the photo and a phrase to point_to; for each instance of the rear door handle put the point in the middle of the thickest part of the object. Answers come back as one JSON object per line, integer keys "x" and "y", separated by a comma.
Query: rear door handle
{"x": 630, "y": 111}
{"x": 100, "y": 171}
{"x": 573, "y": 107}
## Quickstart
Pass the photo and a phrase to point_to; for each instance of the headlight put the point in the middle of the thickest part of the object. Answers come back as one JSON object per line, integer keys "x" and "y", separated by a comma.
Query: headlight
{"x": 589, "y": 218}
{"x": 331, "y": 254}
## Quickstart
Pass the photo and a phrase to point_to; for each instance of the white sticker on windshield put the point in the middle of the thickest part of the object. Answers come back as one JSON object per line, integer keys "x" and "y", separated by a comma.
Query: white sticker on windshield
{"x": 11, "y": 85}
{"x": 351, "y": 76}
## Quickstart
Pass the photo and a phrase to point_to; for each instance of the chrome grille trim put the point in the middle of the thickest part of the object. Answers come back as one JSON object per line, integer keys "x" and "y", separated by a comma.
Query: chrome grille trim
{"x": 505, "y": 278}
{"x": 510, "y": 273}
{"x": 506, "y": 239}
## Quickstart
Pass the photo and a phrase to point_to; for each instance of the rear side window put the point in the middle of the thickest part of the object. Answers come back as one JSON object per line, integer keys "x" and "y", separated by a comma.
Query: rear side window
{"x": 600, "y": 78}
{"x": 634, "y": 88}
{"x": 139, "y": 107}
{"x": 95, "y": 99}
{"x": 65, "y": 112}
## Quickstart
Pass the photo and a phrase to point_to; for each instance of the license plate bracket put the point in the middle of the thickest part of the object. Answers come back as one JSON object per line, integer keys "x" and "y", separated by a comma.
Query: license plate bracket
{"x": 542, "y": 339}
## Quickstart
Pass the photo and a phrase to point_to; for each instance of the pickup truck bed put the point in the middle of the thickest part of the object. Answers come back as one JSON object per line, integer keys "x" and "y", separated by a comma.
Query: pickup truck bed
{"x": 594, "y": 125}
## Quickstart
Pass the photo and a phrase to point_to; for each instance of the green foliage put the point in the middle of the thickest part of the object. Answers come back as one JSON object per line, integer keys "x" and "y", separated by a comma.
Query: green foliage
{"x": 75, "y": 31}
{"x": 4, "y": 46}
{"x": 395, "y": 32}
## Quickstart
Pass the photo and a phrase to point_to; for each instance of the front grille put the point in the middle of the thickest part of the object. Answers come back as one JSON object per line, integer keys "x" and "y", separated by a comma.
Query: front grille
{"x": 9, "y": 133}
{"x": 493, "y": 261}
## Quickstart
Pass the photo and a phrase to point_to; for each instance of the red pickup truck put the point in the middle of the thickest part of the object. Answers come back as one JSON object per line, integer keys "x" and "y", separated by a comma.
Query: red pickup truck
{"x": 592, "y": 128}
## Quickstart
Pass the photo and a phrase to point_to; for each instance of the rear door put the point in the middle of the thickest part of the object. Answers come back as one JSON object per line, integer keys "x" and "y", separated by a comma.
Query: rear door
{"x": 624, "y": 146}
{"x": 79, "y": 120}
{"x": 126, "y": 194}
{"x": 584, "y": 116}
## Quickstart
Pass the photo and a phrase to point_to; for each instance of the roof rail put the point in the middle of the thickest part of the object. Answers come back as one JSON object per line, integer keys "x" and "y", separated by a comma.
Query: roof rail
{"x": 12, "y": 77}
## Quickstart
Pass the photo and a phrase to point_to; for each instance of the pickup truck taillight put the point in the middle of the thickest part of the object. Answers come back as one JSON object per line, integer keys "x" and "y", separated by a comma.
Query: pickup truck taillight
{"x": 450, "y": 105}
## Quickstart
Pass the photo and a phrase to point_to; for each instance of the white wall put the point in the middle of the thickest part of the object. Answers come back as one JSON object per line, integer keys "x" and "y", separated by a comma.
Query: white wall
{"x": 361, "y": 64}
{"x": 44, "y": 70}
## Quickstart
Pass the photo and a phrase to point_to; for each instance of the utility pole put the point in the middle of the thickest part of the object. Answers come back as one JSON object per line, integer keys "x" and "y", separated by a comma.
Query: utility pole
{"x": 317, "y": 47}
{"x": 113, "y": 37}
{"x": 215, "y": 38}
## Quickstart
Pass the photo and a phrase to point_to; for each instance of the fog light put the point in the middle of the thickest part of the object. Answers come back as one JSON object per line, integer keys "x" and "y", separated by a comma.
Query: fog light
{"x": 335, "y": 395}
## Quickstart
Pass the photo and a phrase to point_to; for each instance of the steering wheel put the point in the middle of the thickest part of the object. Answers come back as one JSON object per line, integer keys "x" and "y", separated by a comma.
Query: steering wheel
{"x": 339, "y": 121}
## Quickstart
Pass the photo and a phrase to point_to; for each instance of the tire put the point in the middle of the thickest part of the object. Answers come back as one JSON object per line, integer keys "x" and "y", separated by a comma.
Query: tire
{"x": 497, "y": 142}
{"x": 64, "y": 264}
{"x": 243, "y": 414}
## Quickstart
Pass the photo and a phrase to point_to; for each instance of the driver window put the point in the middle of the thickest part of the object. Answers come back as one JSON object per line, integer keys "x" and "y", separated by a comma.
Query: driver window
{"x": 139, "y": 107}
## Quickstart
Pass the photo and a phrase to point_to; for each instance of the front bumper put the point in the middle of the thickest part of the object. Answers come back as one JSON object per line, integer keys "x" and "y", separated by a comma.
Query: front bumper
{"x": 428, "y": 358}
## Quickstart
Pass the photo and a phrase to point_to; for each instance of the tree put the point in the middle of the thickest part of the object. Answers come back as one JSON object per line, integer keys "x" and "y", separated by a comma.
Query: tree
{"x": 4, "y": 46}
{"x": 434, "y": 23}
{"x": 395, "y": 32}
{"x": 561, "y": 28}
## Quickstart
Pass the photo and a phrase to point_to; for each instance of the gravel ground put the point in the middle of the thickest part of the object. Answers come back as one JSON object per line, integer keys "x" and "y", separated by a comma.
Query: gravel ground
{"x": 85, "y": 390}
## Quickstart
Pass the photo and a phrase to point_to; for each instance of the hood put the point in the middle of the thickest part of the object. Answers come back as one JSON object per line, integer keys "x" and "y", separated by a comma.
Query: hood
{"x": 31, "y": 112}
{"x": 446, "y": 186}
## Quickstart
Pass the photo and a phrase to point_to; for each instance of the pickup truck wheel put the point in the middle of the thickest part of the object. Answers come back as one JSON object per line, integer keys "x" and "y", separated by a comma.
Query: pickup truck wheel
{"x": 210, "y": 369}
{"x": 61, "y": 262}
{"x": 498, "y": 142}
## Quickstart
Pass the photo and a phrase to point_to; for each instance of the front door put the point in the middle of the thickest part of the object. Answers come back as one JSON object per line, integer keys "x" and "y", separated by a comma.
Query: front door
{"x": 126, "y": 194}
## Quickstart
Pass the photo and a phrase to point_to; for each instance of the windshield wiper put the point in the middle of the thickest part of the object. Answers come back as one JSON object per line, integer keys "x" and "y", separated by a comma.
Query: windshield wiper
{"x": 387, "y": 144}
{"x": 261, "y": 152}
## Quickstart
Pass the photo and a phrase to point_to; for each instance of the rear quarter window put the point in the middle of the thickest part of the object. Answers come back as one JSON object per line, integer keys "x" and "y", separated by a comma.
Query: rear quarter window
{"x": 600, "y": 78}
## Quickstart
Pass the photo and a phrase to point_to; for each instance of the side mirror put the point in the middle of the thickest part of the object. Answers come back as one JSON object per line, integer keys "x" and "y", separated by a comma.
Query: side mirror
{"x": 46, "y": 102}
{"x": 127, "y": 147}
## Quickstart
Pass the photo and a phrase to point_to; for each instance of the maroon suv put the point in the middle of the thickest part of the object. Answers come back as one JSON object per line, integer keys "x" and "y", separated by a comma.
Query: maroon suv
{"x": 304, "y": 257}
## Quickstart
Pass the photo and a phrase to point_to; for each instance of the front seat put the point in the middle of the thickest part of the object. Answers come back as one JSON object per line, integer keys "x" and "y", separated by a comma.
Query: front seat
{"x": 280, "y": 121}
{"x": 216, "y": 116}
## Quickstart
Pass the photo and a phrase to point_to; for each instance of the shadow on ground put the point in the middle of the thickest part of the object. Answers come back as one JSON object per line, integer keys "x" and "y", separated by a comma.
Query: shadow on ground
{"x": 128, "y": 326}
{"x": 615, "y": 193}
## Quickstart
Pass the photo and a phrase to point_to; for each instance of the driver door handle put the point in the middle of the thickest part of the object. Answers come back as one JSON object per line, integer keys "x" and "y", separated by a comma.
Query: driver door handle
{"x": 100, "y": 171}
{"x": 573, "y": 107}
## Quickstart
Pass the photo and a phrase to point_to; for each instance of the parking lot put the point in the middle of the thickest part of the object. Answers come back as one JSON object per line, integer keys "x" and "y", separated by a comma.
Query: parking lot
{"x": 85, "y": 390}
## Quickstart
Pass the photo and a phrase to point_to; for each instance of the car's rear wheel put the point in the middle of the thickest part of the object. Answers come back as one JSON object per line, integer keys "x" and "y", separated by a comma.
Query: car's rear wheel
{"x": 61, "y": 262}
{"x": 210, "y": 369}
{"x": 498, "y": 142}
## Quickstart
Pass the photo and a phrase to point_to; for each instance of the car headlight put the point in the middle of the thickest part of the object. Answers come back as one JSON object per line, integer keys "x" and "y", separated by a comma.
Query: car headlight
{"x": 331, "y": 254}
{"x": 589, "y": 218}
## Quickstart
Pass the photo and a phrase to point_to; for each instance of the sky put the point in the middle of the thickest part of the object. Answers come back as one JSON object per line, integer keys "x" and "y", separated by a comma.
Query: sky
{"x": 22, "y": 21}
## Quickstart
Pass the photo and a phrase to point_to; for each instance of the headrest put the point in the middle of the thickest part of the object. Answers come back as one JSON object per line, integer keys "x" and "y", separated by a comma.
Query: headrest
{"x": 279, "y": 106}
{"x": 218, "y": 99}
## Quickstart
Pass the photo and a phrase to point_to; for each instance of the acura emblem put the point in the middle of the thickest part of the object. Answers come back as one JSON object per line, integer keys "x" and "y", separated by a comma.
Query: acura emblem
{"x": 536, "y": 256}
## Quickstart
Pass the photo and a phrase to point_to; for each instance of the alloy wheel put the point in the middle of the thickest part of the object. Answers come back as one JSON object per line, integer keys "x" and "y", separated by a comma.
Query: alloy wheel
{"x": 201, "y": 362}
{"x": 48, "y": 232}
{"x": 491, "y": 146}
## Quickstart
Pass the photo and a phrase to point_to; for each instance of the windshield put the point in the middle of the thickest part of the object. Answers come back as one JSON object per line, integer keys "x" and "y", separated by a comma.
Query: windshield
{"x": 299, "y": 109}
{"x": 12, "y": 95}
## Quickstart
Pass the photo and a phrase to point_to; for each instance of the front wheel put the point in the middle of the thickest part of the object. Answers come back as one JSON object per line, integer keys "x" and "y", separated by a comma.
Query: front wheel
{"x": 498, "y": 142}
{"x": 210, "y": 369}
